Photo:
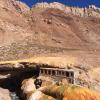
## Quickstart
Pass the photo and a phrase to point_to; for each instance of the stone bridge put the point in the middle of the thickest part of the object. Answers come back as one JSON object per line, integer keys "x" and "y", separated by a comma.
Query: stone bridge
{"x": 25, "y": 69}
{"x": 69, "y": 74}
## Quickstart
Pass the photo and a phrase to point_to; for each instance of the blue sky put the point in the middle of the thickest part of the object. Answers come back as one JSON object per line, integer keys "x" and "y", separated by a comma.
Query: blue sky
{"x": 80, "y": 3}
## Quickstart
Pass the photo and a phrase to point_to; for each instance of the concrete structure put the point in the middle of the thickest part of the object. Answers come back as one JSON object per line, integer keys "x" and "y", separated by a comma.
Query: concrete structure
{"x": 69, "y": 74}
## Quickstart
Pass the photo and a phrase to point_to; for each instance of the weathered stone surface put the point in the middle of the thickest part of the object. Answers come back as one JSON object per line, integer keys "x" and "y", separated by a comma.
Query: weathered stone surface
{"x": 4, "y": 94}
{"x": 28, "y": 86}
{"x": 12, "y": 21}
{"x": 62, "y": 91}
{"x": 92, "y": 11}
{"x": 38, "y": 95}
{"x": 73, "y": 92}
{"x": 14, "y": 5}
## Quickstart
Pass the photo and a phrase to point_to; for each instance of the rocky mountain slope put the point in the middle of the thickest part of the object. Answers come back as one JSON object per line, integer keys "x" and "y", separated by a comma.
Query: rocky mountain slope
{"x": 12, "y": 23}
{"x": 92, "y": 10}
{"x": 49, "y": 29}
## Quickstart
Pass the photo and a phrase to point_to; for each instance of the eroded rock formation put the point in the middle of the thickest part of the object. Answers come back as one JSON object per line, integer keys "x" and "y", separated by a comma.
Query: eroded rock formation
{"x": 60, "y": 91}
{"x": 92, "y": 11}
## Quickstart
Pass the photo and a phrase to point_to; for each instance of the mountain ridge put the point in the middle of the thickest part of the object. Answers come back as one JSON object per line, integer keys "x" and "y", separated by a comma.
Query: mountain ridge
{"x": 92, "y": 10}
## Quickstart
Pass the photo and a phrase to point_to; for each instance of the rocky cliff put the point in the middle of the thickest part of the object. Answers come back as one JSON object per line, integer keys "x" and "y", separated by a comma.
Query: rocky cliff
{"x": 14, "y": 5}
{"x": 92, "y": 10}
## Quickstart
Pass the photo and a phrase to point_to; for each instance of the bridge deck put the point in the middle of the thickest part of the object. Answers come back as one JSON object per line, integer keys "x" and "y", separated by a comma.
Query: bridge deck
{"x": 59, "y": 73}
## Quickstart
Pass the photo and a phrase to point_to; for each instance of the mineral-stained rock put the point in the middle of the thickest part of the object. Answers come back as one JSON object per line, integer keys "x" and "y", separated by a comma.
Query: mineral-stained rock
{"x": 38, "y": 95}
{"x": 71, "y": 92}
{"x": 28, "y": 86}
{"x": 63, "y": 92}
